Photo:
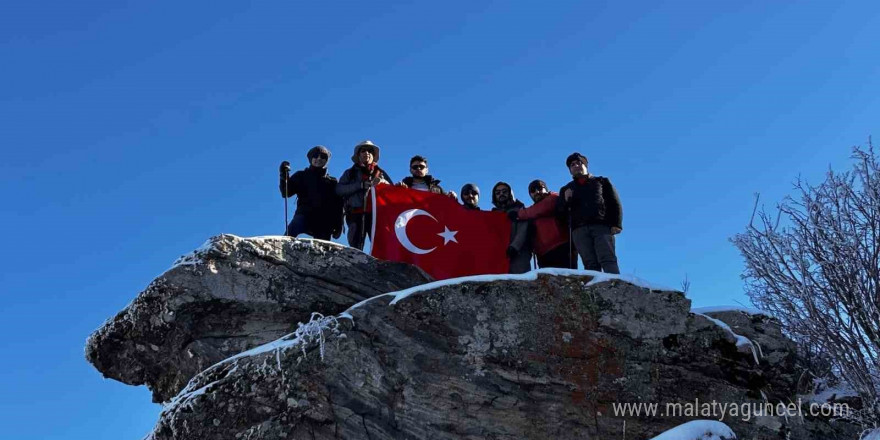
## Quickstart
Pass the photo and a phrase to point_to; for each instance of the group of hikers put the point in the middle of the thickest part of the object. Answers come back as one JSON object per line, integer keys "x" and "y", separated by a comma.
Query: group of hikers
{"x": 581, "y": 219}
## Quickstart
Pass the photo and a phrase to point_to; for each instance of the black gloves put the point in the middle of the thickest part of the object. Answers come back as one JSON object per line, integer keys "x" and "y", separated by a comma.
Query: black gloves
{"x": 284, "y": 169}
{"x": 513, "y": 215}
{"x": 512, "y": 252}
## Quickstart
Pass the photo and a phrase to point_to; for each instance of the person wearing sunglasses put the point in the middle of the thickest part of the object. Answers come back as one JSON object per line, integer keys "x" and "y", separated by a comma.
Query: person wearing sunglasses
{"x": 595, "y": 216}
{"x": 353, "y": 185}
{"x": 520, "y": 250}
{"x": 470, "y": 196}
{"x": 420, "y": 179}
{"x": 550, "y": 239}
{"x": 318, "y": 208}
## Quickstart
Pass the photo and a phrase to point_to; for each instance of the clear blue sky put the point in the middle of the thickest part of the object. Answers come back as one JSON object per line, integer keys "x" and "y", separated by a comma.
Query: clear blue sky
{"x": 132, "y": 131}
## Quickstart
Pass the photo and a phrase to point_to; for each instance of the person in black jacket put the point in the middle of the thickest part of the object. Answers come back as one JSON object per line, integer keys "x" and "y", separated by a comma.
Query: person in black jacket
{"x": 318, "y": 208}
{"x": 593, "y": 207}
{"x": 520, "y": 250}
{"x": 353, "y": 186}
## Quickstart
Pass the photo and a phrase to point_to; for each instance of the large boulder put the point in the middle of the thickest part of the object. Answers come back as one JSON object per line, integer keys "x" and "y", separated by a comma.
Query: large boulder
{"x": 386, "y": 353}
{"x": 230, "y": 295}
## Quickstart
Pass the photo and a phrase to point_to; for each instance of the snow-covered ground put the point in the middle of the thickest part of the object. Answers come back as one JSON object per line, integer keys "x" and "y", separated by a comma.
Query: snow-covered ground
{"x": 698, "y": 430}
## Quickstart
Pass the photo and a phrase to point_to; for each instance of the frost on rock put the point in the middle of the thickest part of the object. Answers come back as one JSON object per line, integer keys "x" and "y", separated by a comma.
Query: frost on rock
{"x": 741, "y": 341}
{"x": 698, "y": 430}
{"x": 597, "y": 277}
{"x": 195, "y": 257}
{"x": 721, "y": 309}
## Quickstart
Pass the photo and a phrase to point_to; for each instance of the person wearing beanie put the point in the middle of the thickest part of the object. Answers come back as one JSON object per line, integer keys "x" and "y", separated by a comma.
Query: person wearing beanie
{"x": 593, "y": 208}
{"x": 420, "y": 179}
{"x": 550, "y": 240}
{"x": 520, "y": 250}
{"x": 353, "y": 186}
{"x": 470, "y": 196}
{"x": 318, "y": 208}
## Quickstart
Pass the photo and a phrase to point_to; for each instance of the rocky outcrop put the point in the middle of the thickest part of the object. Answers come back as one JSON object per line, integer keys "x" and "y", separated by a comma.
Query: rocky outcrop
{"x": 230, "y": 295}
{"x": 541, "y": 355}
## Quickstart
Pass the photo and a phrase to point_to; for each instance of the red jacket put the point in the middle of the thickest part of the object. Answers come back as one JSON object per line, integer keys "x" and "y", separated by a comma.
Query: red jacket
{"x": 549, "y": 232}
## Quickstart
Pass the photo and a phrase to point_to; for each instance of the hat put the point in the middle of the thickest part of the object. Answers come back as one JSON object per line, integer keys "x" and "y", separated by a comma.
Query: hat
{"x": 576, "y": 156}
{"x": 469, "y": 187}
{"x": 535, "y": 184}
{"x": 366, "y": 144}
{"x": 314, "y": 151}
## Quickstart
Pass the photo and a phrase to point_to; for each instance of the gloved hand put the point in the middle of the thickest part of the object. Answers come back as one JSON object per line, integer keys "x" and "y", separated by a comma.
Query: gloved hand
{"x": 513, "y": 215}
{"x": 512, "y": 252}
{"x": 284, "y": 169}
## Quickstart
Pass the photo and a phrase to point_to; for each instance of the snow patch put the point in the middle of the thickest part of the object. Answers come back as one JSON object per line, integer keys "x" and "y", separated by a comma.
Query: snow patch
{"x": 718, "y": 309}
{"x": 195, "y": 257}
{"x": 741, "y": 341}
{"x": 823, "y": 392}
{"x": 698, "y": 430}
{"x": 871, "y": 435}
{"x": 598, "y": 277}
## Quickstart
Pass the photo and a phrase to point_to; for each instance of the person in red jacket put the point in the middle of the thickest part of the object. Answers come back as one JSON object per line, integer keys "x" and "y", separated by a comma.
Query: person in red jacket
{"x": 551, "y": 240}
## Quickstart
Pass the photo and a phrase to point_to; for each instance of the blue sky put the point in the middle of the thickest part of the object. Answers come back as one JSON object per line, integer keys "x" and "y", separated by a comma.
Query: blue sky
{"x": 133, "y": 131}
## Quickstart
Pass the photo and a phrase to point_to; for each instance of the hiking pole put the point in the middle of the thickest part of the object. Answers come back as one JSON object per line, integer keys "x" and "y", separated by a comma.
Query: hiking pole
{"x": 286, "y": 193}
{"x": 570, "y": 240}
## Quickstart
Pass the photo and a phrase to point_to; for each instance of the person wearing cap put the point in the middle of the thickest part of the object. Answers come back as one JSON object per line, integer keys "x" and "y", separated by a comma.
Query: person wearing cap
{"x": 593, "y": 208}
{"x": 550, "y": 240}
{"x": 318, "y": 208}
{"x": 353, "y": 186}
{"x": 419, "y": 178}
{"x": 470, "y": 196}
{"x": 520, "y": 250}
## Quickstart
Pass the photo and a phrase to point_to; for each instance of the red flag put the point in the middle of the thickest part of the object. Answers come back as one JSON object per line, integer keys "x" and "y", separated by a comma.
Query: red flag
{"x": 437, "y": 234}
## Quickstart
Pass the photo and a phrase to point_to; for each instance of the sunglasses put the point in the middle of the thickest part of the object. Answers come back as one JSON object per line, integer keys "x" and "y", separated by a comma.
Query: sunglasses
{"x": 575, "y": 163}
{"x": 470, "y": 193}
{"x": 321, "y": 156}
{"x": 418, "y": 167}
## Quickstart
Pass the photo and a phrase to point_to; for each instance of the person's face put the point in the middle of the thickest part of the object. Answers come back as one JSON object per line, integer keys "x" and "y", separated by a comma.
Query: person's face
{"x": 539, "y": 194}
{"x": 502, "y": 195}
{"x": 365, "y": 156}
{"x": 418, "y": 169}
{"x": 577, "y": 168}
{"x": 470, "y": 197}
{"x": 319, "y": 160}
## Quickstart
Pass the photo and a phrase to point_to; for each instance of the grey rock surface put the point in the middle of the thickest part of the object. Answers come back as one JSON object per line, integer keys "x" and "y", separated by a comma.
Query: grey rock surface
{"x": 535, "y": 356}
{"x": 230, "y": 295}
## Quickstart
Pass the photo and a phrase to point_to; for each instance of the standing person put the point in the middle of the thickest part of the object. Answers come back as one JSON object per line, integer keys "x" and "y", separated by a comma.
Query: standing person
{"x": 551, "y": 239}
{"x": 318, "y": 208}
{"x": 470, "y": 196}
{"x": 419, "y": 178}
{"x": 353, "y": 186}
{"x": 592, "y": 204}
{"x": 520, "y": 250}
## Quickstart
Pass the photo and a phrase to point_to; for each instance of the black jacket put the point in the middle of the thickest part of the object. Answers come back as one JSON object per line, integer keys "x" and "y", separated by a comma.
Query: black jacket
{"x": 593, "y": 201}
{"x": 432, "y": 183}
{"x": 316, "y": 199}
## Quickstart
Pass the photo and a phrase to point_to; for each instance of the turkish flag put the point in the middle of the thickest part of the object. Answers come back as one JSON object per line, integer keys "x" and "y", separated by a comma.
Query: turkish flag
{"x": 437, "y": 234}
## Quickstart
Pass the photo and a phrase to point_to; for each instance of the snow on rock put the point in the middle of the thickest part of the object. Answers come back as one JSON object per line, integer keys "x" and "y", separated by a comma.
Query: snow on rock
{"x": 698, "y": 430}
{"x": 597, "y": 277}
{"x": 721, "y": 309}
{"x": 871, "y": 435}
{"x": 741, "y": 341}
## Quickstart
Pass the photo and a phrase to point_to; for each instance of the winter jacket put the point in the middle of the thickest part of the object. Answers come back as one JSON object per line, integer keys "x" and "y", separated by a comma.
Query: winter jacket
{"x": 316, "y": 199}
{"x": 550, "y": 232}
{"x": 519, "y": 231}
{"x": 594, "y": 201}
{"x": 432, "y": 183}
{"x": 351, "y": 186}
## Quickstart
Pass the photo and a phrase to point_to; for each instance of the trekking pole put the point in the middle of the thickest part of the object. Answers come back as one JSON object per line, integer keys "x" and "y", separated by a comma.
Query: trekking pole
{"x": 570, "y": 240}
{"x": 286, "y": 193}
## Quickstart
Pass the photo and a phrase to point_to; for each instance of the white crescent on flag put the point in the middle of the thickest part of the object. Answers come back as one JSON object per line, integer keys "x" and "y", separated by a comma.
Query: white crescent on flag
{"x": 400, "y": 231}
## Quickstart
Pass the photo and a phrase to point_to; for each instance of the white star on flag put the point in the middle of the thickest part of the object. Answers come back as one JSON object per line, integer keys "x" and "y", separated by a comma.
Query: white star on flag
{"x": 448, "y": 235}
